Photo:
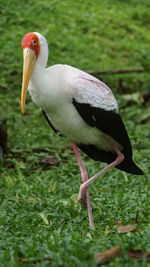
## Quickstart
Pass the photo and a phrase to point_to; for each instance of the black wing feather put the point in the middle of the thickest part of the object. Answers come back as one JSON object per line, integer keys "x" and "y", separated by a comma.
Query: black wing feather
{"x": 50, "y": 123}
{"x": 109, "y": 122}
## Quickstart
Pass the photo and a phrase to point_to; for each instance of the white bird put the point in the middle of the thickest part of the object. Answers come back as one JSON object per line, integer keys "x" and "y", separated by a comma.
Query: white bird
{"x": 80, "y": 107}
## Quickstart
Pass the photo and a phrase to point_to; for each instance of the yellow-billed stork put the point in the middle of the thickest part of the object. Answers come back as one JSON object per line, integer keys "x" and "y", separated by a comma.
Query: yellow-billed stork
{"x": 80, "y": 107}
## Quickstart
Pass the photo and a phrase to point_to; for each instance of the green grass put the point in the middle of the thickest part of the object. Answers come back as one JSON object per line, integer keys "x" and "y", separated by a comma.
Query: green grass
{"x": 39, "y": 212}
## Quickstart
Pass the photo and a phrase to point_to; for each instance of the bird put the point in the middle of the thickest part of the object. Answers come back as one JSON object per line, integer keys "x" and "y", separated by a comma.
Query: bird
{"x": 80, "y": 107}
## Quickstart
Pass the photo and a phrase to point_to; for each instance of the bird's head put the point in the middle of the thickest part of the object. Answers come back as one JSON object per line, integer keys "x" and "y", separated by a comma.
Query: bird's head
{"x": 32, "y": 45}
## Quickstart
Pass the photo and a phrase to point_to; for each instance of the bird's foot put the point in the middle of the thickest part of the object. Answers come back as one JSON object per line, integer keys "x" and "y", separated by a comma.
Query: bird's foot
{"x": 82, "y": 196}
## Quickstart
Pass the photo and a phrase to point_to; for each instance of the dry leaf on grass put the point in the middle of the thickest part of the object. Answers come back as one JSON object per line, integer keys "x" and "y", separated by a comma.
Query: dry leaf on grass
{"x": 116, "y": 222}
{"x": 138, "y": 254}
{"x": 49, "y": 161}
{"x": 126, "y": 228}
{"x": 108, "y": 255}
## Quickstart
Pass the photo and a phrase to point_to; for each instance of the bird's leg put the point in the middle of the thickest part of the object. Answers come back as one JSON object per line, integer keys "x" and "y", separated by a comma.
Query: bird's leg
{"x": 84, "y": 175}
{"x": 84, "y": 186}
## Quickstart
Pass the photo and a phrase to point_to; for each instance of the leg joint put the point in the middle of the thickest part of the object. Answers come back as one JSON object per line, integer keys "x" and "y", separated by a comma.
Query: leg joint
{"x": 120, "y": 156}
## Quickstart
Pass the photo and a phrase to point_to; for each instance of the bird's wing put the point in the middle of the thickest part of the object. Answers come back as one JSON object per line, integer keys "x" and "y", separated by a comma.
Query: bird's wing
{"x": 90, "y": 90}
{"x": 51, "y": 124}
{"x": 98, "y": 107}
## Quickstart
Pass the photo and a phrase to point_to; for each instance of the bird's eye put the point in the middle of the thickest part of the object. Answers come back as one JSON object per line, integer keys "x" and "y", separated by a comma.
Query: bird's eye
{"x": 34, "y": 42}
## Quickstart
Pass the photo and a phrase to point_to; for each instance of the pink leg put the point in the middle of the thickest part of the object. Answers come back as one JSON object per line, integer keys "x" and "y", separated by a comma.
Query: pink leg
{"x": 84, "y": 186}
{"x": 84, "y": 176}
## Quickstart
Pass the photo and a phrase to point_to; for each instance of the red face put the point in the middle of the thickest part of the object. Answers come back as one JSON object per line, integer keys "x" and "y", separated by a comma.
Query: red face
{"x": 30, "y": 40}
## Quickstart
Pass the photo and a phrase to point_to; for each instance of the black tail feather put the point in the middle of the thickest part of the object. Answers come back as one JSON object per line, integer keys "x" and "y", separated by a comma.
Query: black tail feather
{"x": 127, "y": 165}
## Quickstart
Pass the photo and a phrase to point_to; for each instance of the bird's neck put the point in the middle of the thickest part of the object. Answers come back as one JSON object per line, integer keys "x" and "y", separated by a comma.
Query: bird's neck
{"x": 36, "y": 87}
{"x": 37, "y": 71}
{"x": 40, "y": 65}
{"x": 42, "y": 59}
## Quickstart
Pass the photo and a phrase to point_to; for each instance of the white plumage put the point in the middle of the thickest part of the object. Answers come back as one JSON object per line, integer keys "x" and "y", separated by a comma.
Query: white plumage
{"x": 56, "y": 101}
{"x": 53, "y": 89}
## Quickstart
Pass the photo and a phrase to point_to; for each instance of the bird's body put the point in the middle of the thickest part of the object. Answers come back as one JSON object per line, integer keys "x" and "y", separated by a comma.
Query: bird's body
{"x": 79, "y": 106}
{"x": 57, "y": 100}
{"x": 58, "y": 88}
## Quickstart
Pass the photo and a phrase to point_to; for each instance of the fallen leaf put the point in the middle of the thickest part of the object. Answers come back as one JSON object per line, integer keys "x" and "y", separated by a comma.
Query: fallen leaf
{"x": 49, "y": 161}
{"x": 116, "y": 222}
{"x": 126, "y": 228}
{"x": 138, "y": 254}
{"x": 108, "y": 255}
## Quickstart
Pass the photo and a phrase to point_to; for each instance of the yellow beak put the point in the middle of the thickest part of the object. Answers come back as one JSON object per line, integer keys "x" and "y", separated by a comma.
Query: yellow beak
{"x": 28, "y": 64}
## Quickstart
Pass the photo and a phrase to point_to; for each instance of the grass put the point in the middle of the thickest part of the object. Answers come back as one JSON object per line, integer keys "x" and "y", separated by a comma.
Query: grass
{"x": 39, "y": 213}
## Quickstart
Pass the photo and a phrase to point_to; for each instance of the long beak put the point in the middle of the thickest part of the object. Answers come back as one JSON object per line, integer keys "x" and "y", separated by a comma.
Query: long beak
{"x": 29, "y": 61}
